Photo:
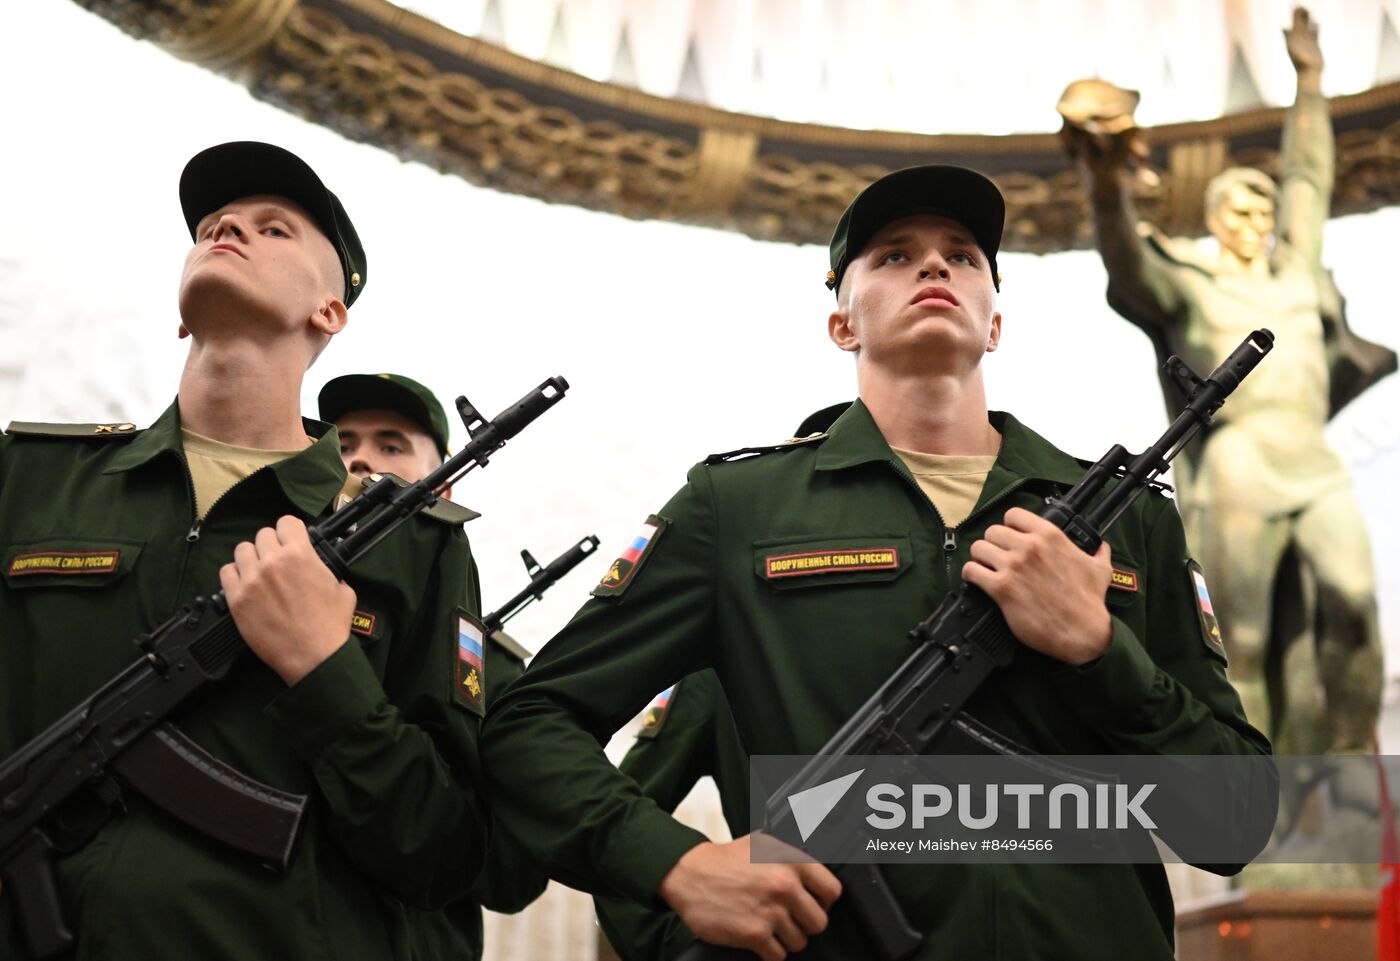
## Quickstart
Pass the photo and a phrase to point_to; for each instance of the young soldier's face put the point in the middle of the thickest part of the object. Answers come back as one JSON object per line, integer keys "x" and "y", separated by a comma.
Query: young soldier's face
{"x": 1243, "y": 222}
{"x": 920, "y": 292}
{"x": 261, "y": 256}
{"x": 375, "y": 441}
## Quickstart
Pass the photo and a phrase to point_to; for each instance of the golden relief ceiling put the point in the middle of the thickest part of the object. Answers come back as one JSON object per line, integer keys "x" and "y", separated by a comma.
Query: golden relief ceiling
{"x": 385, "y": 76}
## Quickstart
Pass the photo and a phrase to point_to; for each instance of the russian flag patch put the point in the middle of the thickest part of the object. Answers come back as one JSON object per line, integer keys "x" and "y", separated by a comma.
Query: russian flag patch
{"x": 1210, "y": 626}
{"x": 623, "y": 571}
{"x": 655, "y": 715}
{"x": 469, "y": 665}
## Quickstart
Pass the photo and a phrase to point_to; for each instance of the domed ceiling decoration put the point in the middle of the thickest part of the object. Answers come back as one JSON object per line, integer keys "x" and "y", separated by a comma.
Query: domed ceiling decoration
{"x": 705, "y": 111}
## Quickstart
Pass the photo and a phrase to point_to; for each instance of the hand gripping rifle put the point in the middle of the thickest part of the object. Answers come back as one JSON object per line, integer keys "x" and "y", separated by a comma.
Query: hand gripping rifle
{"x": 121, "y": 729}
{"x": 962, "y": 642}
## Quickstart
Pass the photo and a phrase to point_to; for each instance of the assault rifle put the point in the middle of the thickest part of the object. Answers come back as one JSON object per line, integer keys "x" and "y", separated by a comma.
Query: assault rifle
{"x": 541, "y": 580}
{"x": 959, "y": 645}
{"x": 120, "y": 732}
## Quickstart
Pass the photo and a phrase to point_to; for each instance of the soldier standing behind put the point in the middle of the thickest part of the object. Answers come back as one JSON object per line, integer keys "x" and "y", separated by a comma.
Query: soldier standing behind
{"x": 687, "y": 734}
{"x": 389, "y": 423}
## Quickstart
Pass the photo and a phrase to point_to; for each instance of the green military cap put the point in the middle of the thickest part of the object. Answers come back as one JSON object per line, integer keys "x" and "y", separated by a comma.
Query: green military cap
{"x": 956, "y": 192}
{"x": 395, "y": 392}
{"x": 224, "y": 173}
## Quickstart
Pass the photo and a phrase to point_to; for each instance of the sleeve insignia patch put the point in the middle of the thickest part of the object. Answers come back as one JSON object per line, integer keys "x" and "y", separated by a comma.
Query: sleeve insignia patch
{"x": 64, "y": 562}
{"x": 624, "y": 570}
{"x": 831, "y": 561}
{"x": 1210, "y": 626}
{"x": 469, "y": 665}
{"x": 362, "y": 622}
{"x": 1124, "y": 580}
{"x": 656, "y": 714}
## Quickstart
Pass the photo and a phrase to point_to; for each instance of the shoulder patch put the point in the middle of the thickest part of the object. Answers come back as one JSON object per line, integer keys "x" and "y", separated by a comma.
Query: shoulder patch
{"x": 744, "y": 452}
{"x": 658, "y": 711}
{"x": 24, "y": 428}
{"x": 1210, "y": 627}
{"x": 363, "y": 623}
{"x": 469, "y": 663}
{"x": 1124, "y": 580}
{"x": 624, "y": 570}
{"x": 510, "y": 645}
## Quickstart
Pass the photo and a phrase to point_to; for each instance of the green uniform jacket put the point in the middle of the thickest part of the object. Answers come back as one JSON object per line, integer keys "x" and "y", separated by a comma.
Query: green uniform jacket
{"x": 372, "y": 735}
{"x": 509, "y": 881}
{"x": 695, "y": 738}
{"x": 798, "y": 654}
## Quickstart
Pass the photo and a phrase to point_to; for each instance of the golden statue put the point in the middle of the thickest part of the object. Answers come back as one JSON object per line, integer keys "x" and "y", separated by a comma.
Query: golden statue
{"x": 1268, "y": 505}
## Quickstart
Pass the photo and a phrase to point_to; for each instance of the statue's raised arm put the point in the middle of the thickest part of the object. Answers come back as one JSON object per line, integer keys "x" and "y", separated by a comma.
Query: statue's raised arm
{"x": 1100, "y": 134}
{"x": 1307, "y": 158}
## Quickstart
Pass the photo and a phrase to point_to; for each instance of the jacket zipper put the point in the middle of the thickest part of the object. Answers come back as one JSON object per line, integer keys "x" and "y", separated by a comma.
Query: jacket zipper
{"x": 950, "y": 546}
{"x": 950, "y": 534}
{"x": 192, "y": 536}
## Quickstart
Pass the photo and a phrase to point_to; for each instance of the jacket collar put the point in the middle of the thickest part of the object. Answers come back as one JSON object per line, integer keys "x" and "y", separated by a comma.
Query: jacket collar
{"x": 310, "y": 479}
{"x": 855, "y": 439}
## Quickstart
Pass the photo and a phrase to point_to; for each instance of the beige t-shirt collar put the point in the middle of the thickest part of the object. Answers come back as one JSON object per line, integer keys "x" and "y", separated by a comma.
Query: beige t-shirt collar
{"x": 216, "y": 467}
{"x": 951, "y": 482}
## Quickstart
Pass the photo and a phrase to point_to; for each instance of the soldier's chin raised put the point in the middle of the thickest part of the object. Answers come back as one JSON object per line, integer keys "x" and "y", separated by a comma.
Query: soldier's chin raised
{"x": 220, "y": 297}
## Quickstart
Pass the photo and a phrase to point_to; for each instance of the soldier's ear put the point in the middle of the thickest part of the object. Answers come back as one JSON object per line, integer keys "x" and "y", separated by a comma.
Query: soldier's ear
{"x": 331, "y": 317}
{"x": 840, "y": 330}
{"x": 994, "y": 338}
{"x": 184, "y": 331}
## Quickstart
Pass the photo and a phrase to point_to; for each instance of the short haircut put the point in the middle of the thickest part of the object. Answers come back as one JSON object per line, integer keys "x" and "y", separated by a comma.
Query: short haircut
{"x": 1249, "y": 178}
{"x": 330, "y": 263}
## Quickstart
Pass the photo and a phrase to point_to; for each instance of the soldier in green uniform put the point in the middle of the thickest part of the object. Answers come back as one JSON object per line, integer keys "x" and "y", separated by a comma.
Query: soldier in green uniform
{"x": 350, "y": 695}
{"x": 795, "y": 572}
{"x": 388, "y": 422}
{"x": 687, "y": 734}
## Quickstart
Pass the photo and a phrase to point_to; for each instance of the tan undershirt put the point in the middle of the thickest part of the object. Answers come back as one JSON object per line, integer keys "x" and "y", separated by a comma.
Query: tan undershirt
{"x": 215, "y": 467}
{"x": 952, "y": 482}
